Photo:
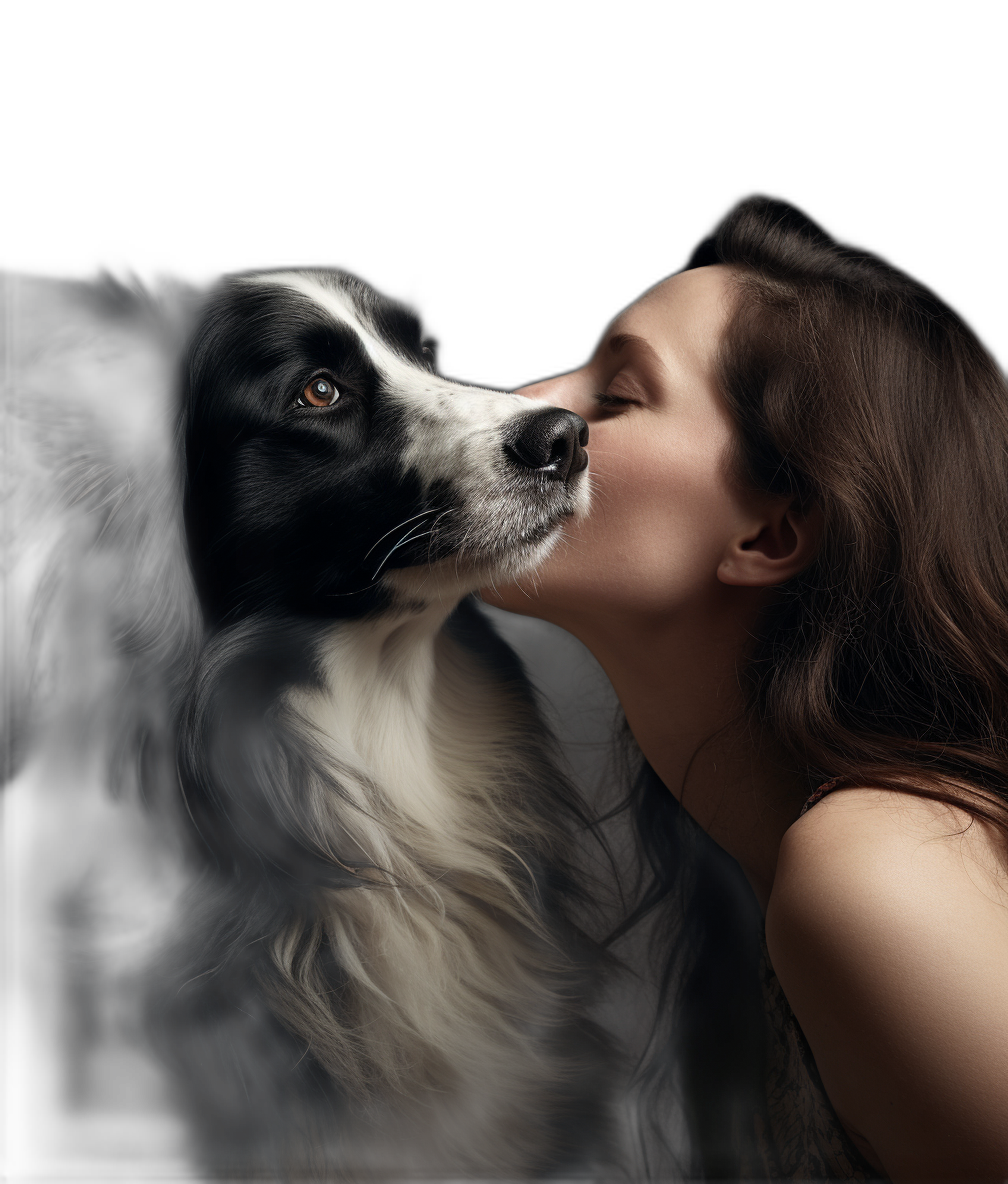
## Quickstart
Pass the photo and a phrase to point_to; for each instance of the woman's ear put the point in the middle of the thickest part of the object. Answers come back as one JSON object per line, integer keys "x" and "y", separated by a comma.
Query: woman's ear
{"x": 775, "y": 548}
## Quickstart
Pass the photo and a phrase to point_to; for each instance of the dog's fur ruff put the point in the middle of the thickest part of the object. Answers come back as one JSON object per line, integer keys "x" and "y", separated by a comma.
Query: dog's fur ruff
{"x": 375, "y": 967}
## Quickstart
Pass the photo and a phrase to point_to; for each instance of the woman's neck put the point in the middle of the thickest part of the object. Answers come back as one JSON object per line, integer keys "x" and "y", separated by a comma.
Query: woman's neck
{"x": 677, "y": 682}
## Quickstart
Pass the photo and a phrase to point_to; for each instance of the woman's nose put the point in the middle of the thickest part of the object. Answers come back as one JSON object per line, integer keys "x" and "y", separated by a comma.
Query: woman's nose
{"x": 537, "y": 390}
{"x": 562, "y": 391}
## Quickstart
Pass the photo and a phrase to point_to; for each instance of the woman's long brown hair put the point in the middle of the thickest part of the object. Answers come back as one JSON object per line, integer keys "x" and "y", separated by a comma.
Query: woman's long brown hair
{"x": 884, "y": 663}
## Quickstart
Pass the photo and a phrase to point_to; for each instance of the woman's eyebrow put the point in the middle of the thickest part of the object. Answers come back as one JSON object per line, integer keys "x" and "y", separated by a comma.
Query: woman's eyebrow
{"x": 617, "y": 342}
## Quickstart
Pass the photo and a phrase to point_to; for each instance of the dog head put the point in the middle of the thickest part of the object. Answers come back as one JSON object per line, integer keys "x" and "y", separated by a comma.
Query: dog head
{"x": 284, "y": 437}
{"x": 332, "y": 472}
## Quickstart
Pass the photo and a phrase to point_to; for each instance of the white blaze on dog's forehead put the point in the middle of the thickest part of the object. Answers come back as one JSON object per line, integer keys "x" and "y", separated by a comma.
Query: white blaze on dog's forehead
{"x": 407, "y": 379}
{"x": 453, "y": 429}
{"x": 333, "y": 301}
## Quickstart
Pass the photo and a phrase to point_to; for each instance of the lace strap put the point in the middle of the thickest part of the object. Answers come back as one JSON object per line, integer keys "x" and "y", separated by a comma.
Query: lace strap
{"x": 821, "y": 792}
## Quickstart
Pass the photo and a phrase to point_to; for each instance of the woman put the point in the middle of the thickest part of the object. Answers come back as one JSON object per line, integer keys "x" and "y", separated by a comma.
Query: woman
{"x": 795, "y": 572}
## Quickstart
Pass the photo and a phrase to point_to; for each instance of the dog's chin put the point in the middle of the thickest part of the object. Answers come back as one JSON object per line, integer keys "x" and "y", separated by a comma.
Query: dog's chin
{"x": 496, "y": 561}
{"x": 448, "y": 579}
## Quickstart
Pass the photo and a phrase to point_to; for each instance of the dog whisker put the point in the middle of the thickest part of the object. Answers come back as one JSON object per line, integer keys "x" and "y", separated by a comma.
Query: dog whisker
{"x": 410, "y": 535}
{"x": 432, "y": 510}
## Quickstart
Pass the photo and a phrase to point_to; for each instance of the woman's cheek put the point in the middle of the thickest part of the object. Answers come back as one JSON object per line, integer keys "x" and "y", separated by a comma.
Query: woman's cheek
{"x": 656, "y": 526}
{"x": 615, "y": 553}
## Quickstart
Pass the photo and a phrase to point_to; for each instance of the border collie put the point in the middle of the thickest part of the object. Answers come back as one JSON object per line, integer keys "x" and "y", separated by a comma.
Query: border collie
{"x": 288, "y": 844}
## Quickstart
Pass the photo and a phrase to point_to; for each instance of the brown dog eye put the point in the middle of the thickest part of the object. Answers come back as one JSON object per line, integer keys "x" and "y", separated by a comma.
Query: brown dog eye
{"x": 320, "y": 392}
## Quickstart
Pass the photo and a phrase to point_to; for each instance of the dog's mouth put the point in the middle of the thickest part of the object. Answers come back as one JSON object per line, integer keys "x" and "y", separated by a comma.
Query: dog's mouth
{"x": 470, "y": 536}
{"x": 497, "y": 509}
{"x": 500, "y": 536}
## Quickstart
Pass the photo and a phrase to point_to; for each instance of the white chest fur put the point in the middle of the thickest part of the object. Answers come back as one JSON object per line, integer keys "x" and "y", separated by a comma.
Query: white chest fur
{"x": 450, "y": 969}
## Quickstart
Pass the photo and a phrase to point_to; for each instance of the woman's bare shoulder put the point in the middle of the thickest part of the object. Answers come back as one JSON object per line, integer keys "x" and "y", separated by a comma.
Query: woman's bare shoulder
{"x": 888, "y": 929}
{"x": 900, "y": 837}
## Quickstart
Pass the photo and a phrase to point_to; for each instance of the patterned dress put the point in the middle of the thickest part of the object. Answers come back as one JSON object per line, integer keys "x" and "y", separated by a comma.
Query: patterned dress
{"x": 800, "y": 1136}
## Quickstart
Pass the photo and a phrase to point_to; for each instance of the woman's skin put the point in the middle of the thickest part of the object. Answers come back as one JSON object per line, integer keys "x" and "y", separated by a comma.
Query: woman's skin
{"x": 886, "y": 914}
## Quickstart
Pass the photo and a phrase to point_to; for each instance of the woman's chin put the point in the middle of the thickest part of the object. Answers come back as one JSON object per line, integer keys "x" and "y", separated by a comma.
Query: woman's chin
{"x": 547, "y": 589}
{"x": 517, "y": 596}
{"x": 525, "y": 595}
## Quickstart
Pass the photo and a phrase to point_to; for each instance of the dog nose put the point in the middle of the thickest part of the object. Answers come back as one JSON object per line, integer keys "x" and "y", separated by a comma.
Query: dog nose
{"x": 550, "y": 442}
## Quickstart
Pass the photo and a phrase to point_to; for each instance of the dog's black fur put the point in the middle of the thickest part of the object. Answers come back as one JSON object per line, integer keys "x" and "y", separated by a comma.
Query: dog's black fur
{"x": 178, "y": 898}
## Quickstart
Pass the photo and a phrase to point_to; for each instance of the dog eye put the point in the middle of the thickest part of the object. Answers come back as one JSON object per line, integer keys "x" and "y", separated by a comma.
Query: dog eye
{"x": 320, "y": 392}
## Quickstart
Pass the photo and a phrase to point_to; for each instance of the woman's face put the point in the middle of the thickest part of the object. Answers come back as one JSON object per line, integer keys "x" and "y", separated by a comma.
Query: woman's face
{"x": 663, "y": 510}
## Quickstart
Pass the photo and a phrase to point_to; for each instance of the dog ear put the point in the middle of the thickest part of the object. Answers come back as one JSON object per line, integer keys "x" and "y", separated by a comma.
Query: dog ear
{"x": 92, "y": 420}
{"x": 428, "y": 347}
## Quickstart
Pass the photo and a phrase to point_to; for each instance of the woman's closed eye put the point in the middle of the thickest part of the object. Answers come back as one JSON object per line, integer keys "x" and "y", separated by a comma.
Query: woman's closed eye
{"x": 623, "y": 392}
{"x": 610, "y": 402}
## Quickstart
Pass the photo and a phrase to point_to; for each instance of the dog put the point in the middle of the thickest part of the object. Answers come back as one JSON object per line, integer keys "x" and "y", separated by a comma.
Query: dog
{"x": 375, "y": 963}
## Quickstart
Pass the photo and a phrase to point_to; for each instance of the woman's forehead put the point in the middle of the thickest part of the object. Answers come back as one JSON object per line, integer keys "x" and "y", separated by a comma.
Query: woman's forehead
{"x": 682, "y": 317}
{"x": 687, "y": 295}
